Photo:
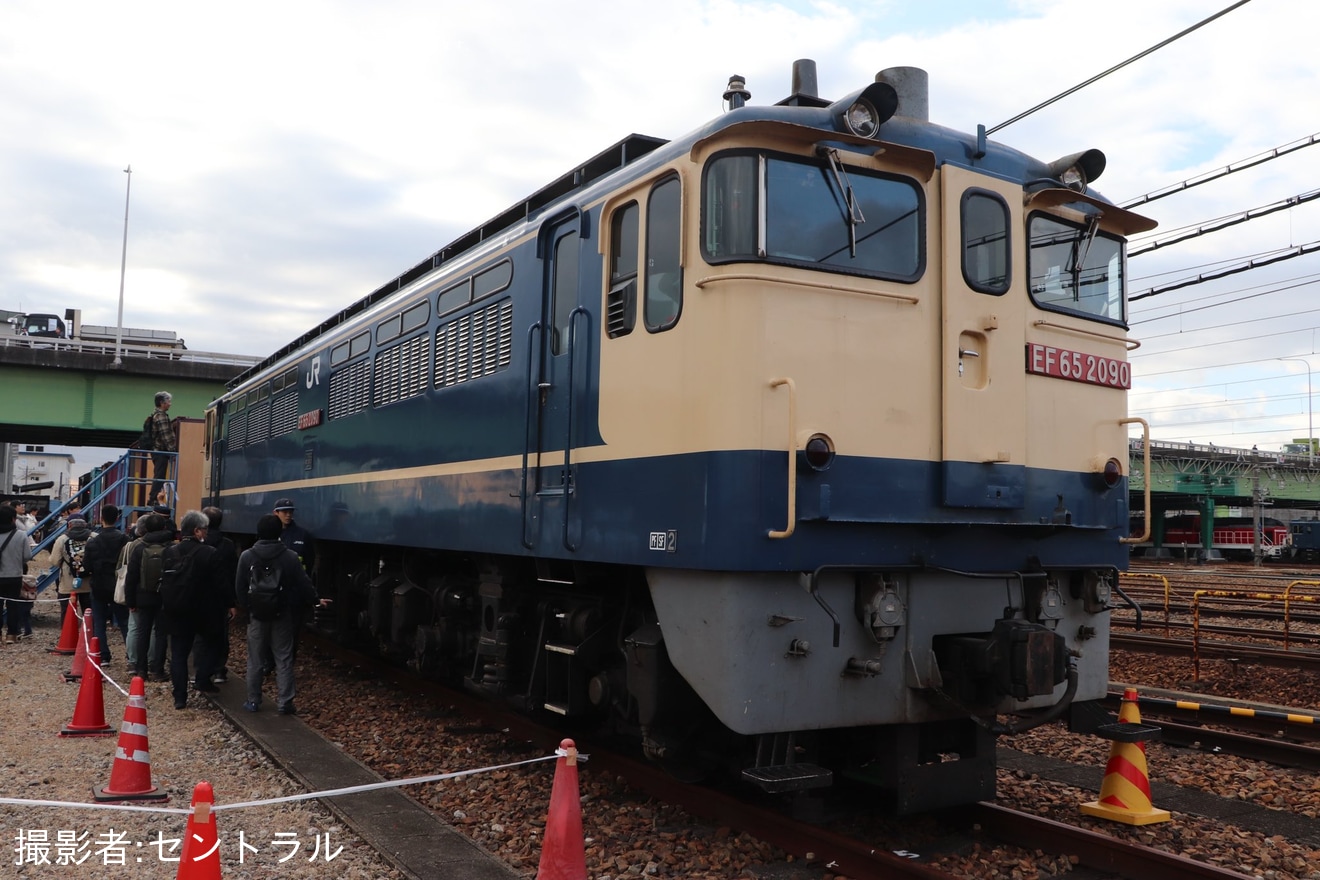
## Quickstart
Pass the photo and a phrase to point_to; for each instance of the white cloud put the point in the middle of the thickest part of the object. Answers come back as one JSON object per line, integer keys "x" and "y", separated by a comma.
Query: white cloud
{"x": 289, "y": 158}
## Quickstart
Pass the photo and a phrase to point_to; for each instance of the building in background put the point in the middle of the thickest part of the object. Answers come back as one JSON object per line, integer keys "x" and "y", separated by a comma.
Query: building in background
{"x": 34, "y": 465}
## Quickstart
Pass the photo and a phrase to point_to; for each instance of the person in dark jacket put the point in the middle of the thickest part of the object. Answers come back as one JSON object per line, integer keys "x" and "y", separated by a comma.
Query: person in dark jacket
{"x": 300, "y": 541}
{"x": 226, "y": 558}
{"x": 191, "y": 572}
{"x": 296, "y": 594}
{"x": 145, "y": 603}
{"x": 100, "y": 557}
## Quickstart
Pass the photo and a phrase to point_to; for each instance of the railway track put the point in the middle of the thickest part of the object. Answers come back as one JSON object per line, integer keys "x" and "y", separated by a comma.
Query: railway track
{"x": 817, "y": 844}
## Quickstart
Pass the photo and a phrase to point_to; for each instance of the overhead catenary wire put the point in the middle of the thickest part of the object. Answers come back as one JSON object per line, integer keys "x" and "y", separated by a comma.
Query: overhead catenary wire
{"x": 1291, "y": 253}
{"x": 1181, "y": 310}
{"x": 1208, "y": 176}
{"x": 1099, "y": 76}
{"x": 1187, "y": 233}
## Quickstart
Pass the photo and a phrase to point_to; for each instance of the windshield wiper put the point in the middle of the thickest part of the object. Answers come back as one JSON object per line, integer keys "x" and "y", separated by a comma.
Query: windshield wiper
{"x": 852, "y": 212}
{"x": 1081, "y": 249}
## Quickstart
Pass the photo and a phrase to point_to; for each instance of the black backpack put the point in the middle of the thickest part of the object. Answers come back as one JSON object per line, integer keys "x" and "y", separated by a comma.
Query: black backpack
{"x": 153, "y": 563}
{"x": 265, "y": 595}
{"x": 178, "y": 592}
{"x": 145, "y": 441}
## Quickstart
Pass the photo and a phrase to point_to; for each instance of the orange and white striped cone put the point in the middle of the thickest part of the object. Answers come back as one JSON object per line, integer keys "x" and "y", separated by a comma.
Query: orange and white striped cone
{"x": 79, "y": 666}
{"x": 130, "y": 776}
{"x": 68, "y": 642}
{"x": 89, "y": 711}
{"x": 1125, "y": 791}
{"x": 200, "y": 858}
{"x": 563, "y": 851}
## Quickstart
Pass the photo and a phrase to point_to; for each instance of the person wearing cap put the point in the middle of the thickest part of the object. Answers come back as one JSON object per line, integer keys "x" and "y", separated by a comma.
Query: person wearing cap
{"x": 66, "y": 554}
{"x": 299, "y": 540}
{"x": 163, "y": 442}
{"x": 168, "y": 515}
{"x": 295, "y": 537}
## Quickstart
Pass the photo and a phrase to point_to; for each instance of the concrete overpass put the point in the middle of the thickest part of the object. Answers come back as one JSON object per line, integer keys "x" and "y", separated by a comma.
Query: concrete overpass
{"x": 71, "y": 393}
{"x": 1180, "y": 473}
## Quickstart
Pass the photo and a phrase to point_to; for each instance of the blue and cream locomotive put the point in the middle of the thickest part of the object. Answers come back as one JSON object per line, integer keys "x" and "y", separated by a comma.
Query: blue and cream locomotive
{"x": 796, "y": 443}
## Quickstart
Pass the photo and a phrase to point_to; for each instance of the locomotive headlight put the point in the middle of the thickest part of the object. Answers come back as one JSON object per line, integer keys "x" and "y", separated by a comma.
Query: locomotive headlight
{"x": 863, "y": 113}
{"x": 1078, "y": 170}
{"x": 862, "y": 120}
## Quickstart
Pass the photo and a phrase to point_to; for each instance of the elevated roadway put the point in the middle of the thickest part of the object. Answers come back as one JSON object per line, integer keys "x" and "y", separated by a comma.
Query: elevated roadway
{"x": 1182, "y": 473}
{"x": 71, "y": 393}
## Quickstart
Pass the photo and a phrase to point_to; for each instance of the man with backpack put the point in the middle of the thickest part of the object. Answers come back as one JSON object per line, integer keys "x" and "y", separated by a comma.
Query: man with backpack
{"x": 68, "y": 554}
{"x": 146, "y": 561}
{"x": 193, "y": 600}
{"x": 274, "y": 589}
{"x": 163, "y": 442}
{"x": 100, "y": 557}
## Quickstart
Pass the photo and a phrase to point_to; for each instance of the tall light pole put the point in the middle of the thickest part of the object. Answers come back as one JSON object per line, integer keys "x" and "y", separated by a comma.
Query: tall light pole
{"x": 123, "y": 265}
{"x": 1310, "y": 413}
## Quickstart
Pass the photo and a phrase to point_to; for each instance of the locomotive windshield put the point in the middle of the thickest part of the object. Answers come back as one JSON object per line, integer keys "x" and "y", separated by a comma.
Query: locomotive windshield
{"x": 782, "y": 210}
{"x": 1075, "y": 268}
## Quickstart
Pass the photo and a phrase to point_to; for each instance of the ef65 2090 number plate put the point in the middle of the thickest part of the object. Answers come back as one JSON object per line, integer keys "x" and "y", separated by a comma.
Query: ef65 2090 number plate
{"x": 1078, "y": 366}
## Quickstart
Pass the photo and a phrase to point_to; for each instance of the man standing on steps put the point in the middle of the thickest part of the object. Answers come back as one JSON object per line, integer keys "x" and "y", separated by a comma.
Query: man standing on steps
{"x": 163, "y": 442}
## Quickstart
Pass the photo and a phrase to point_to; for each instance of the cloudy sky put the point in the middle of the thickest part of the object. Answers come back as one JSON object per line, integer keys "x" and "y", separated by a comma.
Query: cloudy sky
{"x": 289, "y": 157}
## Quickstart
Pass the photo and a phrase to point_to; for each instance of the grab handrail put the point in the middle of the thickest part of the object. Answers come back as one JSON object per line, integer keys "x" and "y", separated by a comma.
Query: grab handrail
{"x": 792, "y": 458}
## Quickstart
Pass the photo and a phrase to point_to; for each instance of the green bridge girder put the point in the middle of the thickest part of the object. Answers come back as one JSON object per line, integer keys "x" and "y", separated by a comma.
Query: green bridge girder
{"x": 1232, "y": 477}
{"x": 80, "y": 399}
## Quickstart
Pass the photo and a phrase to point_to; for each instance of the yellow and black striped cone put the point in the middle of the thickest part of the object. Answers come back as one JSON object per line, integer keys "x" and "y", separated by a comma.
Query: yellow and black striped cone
{"x": 1125, "y": 791}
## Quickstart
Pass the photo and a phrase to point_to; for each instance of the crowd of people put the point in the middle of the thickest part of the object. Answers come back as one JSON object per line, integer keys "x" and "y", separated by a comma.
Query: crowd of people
{"x": 173, "y": 591}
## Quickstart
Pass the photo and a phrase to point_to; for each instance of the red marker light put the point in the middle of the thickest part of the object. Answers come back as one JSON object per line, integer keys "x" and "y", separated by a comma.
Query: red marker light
{"x": 819, "y": 452}
{"x": 1113, "y": 472}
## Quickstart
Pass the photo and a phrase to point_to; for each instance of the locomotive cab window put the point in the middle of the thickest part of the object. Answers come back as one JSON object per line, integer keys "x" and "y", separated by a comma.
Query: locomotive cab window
{"x": 985, "y": 242}
{"x": 812, "y": 213}
{"x": 621, "y": 301}
{"x": 664, "y": 274}
{"x": 1075, "y": 268}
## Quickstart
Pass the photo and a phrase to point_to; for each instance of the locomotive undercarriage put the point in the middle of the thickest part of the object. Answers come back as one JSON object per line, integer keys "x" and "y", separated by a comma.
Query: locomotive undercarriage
{"x": 578, "y": 642}
{"x": 585, "y": 643}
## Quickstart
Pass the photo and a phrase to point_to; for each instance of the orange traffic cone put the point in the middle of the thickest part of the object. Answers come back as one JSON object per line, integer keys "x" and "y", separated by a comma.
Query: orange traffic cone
{"x": 563, "y": 852}
{"x": 89, "y": 711}
{"x": 79, "y": 666}
{"x": 130, "y": 777}
{"x": 1125, "y": 791}
{"x": 68, "y": 642}
{"x": 200, "y": 858}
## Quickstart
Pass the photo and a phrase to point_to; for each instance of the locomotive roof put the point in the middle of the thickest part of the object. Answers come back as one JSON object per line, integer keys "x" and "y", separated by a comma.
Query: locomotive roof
{"x": 804, "y": 112}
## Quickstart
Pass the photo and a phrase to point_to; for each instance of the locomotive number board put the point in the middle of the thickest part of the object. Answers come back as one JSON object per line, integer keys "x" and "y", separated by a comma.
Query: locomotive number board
{"x": 1062, "y": 363}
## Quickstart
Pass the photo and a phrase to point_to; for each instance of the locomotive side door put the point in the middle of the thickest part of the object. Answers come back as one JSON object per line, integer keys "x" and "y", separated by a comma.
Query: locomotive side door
{"x": 983, "y": 381}
{"x": 545, "y": 519}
